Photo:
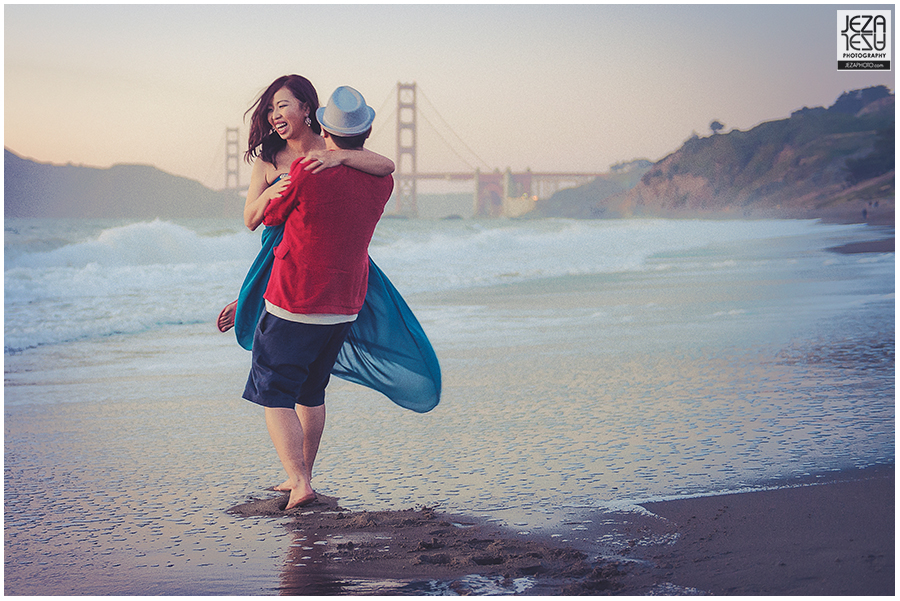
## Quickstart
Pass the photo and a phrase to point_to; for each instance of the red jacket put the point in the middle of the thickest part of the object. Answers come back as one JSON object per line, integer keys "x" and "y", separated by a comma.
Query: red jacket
{"x": 322, "y": 263}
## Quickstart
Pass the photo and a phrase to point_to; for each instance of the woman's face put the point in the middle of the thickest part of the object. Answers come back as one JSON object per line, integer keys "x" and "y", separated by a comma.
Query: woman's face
{"x": 287, "y": 115}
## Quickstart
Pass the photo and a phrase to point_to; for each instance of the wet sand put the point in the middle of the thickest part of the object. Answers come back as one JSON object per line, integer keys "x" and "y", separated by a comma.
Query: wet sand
{"x": 833, "y": 537}
{"x": 873, "y": 246}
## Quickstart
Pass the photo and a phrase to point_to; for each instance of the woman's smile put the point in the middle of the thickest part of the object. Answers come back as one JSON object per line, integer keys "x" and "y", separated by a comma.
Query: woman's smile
{"x": 286, "y": 113}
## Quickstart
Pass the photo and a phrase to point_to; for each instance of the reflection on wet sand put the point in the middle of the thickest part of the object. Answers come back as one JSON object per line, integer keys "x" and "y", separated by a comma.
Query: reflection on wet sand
{"x": 305, "y": 568}
{"x": 310, "y": 569}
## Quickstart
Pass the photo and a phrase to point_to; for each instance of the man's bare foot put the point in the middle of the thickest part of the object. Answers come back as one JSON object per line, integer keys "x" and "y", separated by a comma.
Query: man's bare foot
{"x": 299, "y": 500}
{"x": 226, "y": 317}
{"x": 286, "y": 486}
{"x": 299, "y": 496}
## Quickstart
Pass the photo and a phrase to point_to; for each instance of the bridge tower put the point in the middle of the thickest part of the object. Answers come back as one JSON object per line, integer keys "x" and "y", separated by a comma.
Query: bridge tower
{"x": 406, "y": 173}
{"x": 232, "y": 159}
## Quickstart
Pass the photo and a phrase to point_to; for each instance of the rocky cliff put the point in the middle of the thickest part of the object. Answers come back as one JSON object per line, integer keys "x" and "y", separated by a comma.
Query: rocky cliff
{"x": 835, "y": 164}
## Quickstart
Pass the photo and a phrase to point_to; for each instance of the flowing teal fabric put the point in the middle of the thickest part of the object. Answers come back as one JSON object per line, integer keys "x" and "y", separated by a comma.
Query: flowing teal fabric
{"x": 250, "y": 301}
{"x": 386, "y": 350}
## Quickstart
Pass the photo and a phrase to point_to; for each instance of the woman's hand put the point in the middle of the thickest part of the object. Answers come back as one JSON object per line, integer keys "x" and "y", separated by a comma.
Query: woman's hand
{"x": 277, "y": 190}
{"x": 255, "y": 209}
{"x": 359, "y": 158}
{"x": 320, "y": 160}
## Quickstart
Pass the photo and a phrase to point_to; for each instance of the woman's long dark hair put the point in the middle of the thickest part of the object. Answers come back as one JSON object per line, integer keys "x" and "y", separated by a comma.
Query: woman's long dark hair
{"x": 264, "y": 142}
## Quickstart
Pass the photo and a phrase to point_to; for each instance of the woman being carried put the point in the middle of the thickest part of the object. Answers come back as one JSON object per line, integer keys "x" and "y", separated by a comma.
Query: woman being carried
{"x": 284, "y": 128}
{"x": 386, "y": 350}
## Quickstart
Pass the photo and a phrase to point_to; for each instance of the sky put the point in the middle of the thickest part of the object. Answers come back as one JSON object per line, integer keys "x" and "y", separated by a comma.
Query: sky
{"x": 551, "y": 88}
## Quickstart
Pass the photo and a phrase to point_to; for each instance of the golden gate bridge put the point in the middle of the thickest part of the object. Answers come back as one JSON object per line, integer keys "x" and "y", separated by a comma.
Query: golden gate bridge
{"x": 495, "y": 193}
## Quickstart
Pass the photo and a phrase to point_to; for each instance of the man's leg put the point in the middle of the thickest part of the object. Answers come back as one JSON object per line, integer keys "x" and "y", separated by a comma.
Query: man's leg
{"x": 287, "y": 436}
{"x": 312, "y": 421}
{"x": 296, "y": 432}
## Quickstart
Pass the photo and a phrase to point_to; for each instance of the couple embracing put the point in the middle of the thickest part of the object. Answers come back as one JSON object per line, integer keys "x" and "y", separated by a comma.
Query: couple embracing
{"x": 314, "y": 304}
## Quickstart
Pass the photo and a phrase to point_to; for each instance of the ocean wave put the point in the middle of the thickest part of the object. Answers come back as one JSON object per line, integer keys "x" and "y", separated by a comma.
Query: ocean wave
{"x": 121, "y": 280}
{"x": 145, "y": 243}
{"x": 128, "y": 278}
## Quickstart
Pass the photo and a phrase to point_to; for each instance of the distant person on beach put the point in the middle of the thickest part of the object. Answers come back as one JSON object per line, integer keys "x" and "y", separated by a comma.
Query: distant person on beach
{"x": 284, "y": 128}
{"x": 318, "y": 282}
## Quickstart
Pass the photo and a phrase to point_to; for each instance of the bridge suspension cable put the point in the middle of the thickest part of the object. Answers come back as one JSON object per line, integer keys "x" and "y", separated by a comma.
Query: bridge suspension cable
{"x": 453, "y": 150}
{"x": 447, "y": 125}
{"x": 386, "y": 120}
{"x": 381, "y": 119}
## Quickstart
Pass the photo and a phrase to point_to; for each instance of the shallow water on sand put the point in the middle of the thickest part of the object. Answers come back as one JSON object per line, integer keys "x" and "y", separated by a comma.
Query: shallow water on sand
{"x": 710, "y": 368}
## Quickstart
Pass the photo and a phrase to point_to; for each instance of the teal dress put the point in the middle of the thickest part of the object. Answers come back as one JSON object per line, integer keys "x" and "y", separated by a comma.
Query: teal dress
{"x": 386, "y": 349}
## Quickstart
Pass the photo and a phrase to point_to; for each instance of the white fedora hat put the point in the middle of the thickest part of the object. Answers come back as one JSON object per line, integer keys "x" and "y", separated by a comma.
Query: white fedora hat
{"x": 346, "y": 114}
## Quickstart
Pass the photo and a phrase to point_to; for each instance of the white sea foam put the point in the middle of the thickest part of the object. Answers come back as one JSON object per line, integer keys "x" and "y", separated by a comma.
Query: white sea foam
{"x": 145, "y": 243}
{"x": 81, "y": 281}
{"x": 461, "y": 254}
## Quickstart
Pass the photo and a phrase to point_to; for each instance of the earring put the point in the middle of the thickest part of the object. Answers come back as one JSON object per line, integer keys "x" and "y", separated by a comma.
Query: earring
{"x": 308, "y": 121}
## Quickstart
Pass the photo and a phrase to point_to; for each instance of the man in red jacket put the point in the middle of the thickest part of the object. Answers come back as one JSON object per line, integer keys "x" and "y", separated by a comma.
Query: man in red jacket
{"x": 317, "y": 288}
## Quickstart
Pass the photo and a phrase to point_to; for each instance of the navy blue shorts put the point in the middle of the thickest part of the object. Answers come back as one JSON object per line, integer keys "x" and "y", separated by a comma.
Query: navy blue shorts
{"x": 292, "y": 361}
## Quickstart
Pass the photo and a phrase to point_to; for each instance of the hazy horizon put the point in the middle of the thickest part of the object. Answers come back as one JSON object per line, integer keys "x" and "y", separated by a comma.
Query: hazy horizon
{"x": 545, "y": 87}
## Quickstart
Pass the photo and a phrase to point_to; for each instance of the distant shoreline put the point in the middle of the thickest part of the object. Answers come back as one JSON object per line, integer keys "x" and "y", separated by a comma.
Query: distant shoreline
{"x": 873, "y": 246}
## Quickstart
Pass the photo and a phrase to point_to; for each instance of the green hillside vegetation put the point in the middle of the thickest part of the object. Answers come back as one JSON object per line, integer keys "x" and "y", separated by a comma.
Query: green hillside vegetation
{"x": 33, "y": 189}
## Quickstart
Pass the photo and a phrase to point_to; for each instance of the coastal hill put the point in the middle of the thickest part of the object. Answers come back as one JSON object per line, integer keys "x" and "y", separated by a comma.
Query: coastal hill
{"x": 33, "y": 189}
{"x": 575, "y": 202}
{"x": 835, "y": 164}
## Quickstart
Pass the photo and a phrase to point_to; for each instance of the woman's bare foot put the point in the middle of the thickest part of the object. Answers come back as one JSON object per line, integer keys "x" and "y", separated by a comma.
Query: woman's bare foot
{"x": 226, "y": 317}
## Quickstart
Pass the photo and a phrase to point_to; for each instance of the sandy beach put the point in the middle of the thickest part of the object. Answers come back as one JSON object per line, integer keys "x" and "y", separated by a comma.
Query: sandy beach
{"x": 591, "y": 428}
{"x": 831, "y": 536}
